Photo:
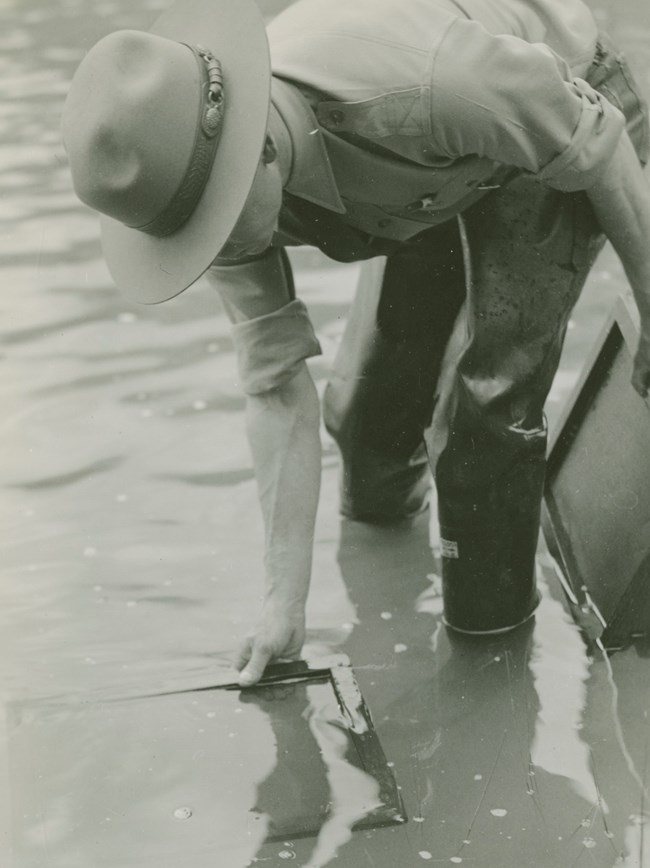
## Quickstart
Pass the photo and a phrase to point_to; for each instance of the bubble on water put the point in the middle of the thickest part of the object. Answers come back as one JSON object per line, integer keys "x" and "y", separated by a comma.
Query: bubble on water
{"x": 200, "y": 405}
{"x": 98, "y": 588}
{"x": 418, "y": 819}
{"x": 211, "y": 714}
{"x": 287, "y": 854}
{"x": 390, "y": 765}
{"x": 126, "y": 317}
{"x": 478, "y": 777}
{"x": 456, "y": 860}
{"x": 499, "y": 812}
{"x": 497, "y": 660}
{"x": 589, "y": 843}
{"x": 386, "y": 616}
{"x": 131, "y": 604}
{"x": 400, "y": 648}
{"x": 424, "y": 854}
{"x": 90, "y": 552}
{"x": 146, "y": 413}
{"x": 121, "y": 498}
{"x": 586, "y": 823}
{"x": 183, "y": 813}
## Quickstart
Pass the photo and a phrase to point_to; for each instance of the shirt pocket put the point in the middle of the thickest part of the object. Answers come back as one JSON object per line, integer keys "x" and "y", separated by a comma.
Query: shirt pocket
{"x": 397, "y": 113}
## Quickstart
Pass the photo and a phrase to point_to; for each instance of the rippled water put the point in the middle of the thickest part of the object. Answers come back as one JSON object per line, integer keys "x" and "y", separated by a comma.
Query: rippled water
{"x": 131, "y": 553}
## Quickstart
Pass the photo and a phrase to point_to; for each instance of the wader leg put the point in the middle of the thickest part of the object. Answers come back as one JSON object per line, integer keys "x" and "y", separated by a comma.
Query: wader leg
{"x": 380, "y": 396}
{"x": 528, "y": 251}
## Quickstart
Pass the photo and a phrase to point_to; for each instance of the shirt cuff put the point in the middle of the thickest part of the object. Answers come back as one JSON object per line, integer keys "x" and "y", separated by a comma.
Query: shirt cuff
{"x": 270, "y": 348}
{"x": 592, "y": 146}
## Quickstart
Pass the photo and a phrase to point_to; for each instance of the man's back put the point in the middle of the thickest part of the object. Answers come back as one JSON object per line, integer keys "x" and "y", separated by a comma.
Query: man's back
{"x": 350, "y": 48}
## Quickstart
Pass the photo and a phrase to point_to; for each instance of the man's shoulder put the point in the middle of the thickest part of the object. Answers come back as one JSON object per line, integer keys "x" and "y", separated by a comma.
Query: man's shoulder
{"x": 356, "y": 50}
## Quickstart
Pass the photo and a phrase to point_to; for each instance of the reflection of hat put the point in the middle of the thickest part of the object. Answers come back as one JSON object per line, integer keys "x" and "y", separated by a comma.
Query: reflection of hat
{"x": 164, "y": 131}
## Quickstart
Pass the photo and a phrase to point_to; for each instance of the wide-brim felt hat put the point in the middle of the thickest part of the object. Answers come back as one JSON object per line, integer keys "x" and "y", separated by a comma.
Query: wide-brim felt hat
{"x": 164, "y": 130}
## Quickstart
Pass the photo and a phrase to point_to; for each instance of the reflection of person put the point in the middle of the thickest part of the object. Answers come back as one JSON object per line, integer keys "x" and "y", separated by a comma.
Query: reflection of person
{"x": 294, "y": 803}
{"x": 479, "y": 146}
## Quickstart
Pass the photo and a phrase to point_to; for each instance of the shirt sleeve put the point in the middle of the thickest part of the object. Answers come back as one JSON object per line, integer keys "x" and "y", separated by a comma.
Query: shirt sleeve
{"x": 517, "y": 103}
{"x": 271, "y": 330}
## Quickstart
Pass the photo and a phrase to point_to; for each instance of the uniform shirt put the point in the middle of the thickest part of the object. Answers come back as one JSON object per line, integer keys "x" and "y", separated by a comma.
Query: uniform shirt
{"x": 435, "y": 84}
{"x": 437, "y": 80}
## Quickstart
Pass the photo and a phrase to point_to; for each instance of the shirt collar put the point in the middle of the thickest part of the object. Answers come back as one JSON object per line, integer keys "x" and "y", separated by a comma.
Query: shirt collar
{"x": 311, "y": 176}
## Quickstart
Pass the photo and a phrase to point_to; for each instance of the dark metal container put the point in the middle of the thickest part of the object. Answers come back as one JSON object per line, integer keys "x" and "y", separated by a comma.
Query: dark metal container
{"x": 597, "y": 516}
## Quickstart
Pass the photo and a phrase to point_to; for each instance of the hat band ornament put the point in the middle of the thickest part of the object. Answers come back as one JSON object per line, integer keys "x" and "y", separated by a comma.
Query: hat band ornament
{"x": 206, "y": 139}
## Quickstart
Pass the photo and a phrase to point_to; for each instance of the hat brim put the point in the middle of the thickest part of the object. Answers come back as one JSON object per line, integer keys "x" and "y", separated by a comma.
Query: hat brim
{"x": 149, "y": 269}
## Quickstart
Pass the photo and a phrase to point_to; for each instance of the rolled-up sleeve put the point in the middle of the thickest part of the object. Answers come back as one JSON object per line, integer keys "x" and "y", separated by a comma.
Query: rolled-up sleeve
{"x": 517, "y": 103}
{"x": 270, "y": 348}
{"x": 592, "y": 144}
{"x": 271, "y": 330}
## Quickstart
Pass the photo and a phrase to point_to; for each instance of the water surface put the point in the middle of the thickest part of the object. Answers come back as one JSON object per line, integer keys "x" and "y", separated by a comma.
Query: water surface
{"x": 131, "y": 564}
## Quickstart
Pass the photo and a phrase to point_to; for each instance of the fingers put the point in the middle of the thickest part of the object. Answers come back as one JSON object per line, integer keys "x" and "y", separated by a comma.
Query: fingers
{"x": 254, "y": 669}
{"x": 243, "y": 654}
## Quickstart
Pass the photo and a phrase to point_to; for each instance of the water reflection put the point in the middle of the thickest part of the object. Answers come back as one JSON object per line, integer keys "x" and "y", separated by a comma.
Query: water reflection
{"x": 509, "y": 746}
{"x": 131, "y": 560}
{"x": 101, "y": 783}
{"x": 316, "y": 789}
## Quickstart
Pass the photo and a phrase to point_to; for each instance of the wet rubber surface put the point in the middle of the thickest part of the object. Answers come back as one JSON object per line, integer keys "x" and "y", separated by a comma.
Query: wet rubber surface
{"x": 131, "y": 565}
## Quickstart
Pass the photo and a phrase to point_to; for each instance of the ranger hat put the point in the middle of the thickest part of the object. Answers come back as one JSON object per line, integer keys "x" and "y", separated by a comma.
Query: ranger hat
{"x": 164, "y": 131}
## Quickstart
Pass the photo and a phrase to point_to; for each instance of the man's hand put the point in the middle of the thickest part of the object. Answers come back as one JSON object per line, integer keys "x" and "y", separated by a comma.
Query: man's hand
{"x": 641, "y": 372}
{"x": 280, "y": 635}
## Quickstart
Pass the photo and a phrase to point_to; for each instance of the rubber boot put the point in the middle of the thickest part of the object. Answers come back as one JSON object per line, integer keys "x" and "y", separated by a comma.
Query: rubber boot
{"x": 380, "y": 396}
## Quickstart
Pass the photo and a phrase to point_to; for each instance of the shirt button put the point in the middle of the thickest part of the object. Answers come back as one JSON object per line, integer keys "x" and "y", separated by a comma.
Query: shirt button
{"x": 337, "y": 117}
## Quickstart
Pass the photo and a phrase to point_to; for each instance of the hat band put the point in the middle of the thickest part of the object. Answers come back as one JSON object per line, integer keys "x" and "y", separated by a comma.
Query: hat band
{"x": 206, "y": 140}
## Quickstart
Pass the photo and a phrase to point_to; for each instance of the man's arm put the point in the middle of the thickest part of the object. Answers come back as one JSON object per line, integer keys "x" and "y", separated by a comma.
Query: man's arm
{"x": 283, "y": 431}
{"x": 621, "y": 199}
{"x": 273, "y": 337}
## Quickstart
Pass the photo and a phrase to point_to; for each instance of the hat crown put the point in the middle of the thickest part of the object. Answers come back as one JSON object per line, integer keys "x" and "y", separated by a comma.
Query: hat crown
{"x": 165, "y": 137}
{"x": 129, "y": 124}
